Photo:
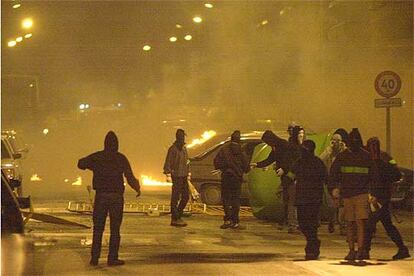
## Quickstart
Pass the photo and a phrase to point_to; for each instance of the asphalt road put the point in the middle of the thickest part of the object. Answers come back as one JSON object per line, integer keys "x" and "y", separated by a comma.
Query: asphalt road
{"x": 151, "y": 247}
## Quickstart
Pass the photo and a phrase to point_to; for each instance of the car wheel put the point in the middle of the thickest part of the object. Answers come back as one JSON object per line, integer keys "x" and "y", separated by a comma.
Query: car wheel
{"x": 211, "y": 194}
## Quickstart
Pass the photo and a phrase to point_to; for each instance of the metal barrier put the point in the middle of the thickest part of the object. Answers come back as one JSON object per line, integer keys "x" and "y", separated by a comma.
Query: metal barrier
{"x": 157, "y": 209}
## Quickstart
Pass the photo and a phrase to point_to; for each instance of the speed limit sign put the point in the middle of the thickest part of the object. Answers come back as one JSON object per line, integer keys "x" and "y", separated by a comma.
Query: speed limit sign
{"x": 388, "y": 84}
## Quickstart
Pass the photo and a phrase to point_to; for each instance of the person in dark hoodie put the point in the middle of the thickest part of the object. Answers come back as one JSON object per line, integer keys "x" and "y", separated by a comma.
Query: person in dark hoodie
{"x": 233, "y": 163}
{"x": 380, "y": 197}
{"x": 177, "y": 170}
{"x": 310, "y": 175}
{"x": 283, "y": 154}
{"x": 109, "y": 168}
{"x": 351, "y": 175}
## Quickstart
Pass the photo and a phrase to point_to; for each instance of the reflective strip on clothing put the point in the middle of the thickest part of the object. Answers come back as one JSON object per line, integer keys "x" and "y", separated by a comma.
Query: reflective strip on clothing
{"x": 361, "y": 170}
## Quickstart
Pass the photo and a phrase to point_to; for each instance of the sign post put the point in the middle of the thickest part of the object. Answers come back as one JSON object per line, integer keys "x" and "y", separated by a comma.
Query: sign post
{"x": 388, "y": 84}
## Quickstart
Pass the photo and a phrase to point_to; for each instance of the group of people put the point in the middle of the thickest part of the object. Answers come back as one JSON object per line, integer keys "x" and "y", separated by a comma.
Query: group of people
{"x": 357, "y": 177}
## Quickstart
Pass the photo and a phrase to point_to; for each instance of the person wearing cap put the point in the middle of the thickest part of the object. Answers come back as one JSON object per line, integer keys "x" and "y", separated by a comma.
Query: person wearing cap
{"x": 336, "y": 146}
{"x": 309, "y": 174}
{"x": 109, "y": 168}
{"x": 380, "y": 199}
{"x": 351, "y": 175}
{"x": 233, "y": 163}
{"x": 177, "y": 171}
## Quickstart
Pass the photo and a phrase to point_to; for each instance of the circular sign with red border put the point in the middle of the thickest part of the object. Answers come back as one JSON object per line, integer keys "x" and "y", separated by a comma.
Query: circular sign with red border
{"x": 388, "y": 84}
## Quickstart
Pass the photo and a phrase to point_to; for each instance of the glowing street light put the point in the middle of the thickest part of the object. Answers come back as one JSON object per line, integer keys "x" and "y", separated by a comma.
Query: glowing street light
{"x": 28, "y": 35}
{"x": 197, "y": 19}
{"x": 27, "y": 23}
{"x": 146, "y": 48}
{"x": 19, "y": 39}
{"x": 188, "y": 37}
{"x": 16, "y": 6}
{"x": 173, "y": 39}
{"x": 11, "y": 43}
{"x": 86, "y": 106}
{"x": 264, "y": 22}
{"x": 178, "y": 26}
{"x": 45, "y": 131}
{"x": 31, "y": 85}
{"x": 82, "y": 106}
{"x": 208, "y": 5}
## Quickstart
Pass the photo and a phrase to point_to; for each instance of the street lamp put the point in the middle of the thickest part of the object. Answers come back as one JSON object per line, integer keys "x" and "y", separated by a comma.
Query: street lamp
{"x": 146, "y": 48}
{"x": 188, "y": 37}
{"x": 208, "y": 5}
{"x": 197, "y": 19}
{"x": 11, "y": 43}
{"x": 16, "y": 6}
{"x": 173, "y": 39}
{"x": 28, "y": 35}
{"x": 19, "y": 39}
{"x": 27, "y": 23}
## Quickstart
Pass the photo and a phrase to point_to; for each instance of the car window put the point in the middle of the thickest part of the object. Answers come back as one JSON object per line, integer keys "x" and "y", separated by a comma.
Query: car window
{"x": 5, "y": 154}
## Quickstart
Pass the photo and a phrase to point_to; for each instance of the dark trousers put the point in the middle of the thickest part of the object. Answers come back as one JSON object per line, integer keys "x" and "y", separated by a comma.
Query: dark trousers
{"x": 179, "y": 196}
{"x": 383, "y": 215}
{"x": 112, "y": 204}
{"x": 230, "y": 195}
{"x": 308, "y": 224}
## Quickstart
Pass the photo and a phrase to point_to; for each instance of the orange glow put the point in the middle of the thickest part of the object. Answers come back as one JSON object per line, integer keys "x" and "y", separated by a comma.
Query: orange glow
{"x": 207, "y": 135}
{"x": 149, "y": 181}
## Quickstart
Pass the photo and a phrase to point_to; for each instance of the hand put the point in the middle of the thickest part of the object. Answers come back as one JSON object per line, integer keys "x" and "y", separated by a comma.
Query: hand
{"x": 335, "y": 193}
{"x": 253, "y": 165}
{"x": 138, "y": 193}
{"x": 169, "y": 179}
{"x": 279, "y": 172}
{"x": 189, "y": 177}
{"x": 372, "y": 199}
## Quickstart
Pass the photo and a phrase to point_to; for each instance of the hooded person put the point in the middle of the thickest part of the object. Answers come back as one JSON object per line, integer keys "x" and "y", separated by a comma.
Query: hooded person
{"x": 351, "y": 175}
{"x": 233, "y": 163}
{"x": 109, "y": 167}
{"x": 380, "y": 198}
{"x": 337, "y": 145}
{"x": 310, "y": 175}
{"x": 283, "y": 154}
{"x": 177, "y": 171}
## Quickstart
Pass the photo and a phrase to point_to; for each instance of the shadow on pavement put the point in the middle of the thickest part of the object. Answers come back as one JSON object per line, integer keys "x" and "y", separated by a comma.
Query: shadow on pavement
{"x": 211, "y": 258}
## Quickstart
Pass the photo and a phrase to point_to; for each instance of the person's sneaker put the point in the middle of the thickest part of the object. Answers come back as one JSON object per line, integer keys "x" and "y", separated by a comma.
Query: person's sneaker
{"x": 237, "y": 226}
{"x": 351, "y": 255}
{"x": 226, "y": 224}
{"x": 362, "y": 255}
{"x": 93, "y": 262}
{"x": 310, "y": 257}
{"x": 178, "y": 223}
{"x": 401, "y": 254}
{"x": 116, "y": 262}
{"x": 331, "y": 227}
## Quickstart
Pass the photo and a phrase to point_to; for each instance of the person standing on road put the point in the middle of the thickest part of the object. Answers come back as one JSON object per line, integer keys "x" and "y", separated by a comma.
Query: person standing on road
{"x": 177, "y": 171}
{"x": 350, "y": 176}
{"x": 380, "y": 197}
{"x": 328, "y": 156}
{"x": 233, "y": 163}
{"x": 109, "y": 168}
{"x": 310, "y": 176}
{"x": 280, "y": 155}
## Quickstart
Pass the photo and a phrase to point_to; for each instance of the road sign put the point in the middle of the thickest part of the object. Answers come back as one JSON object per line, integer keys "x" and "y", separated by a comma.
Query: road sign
{"x": 389, "y": 102}
{"x": 388, "y": 84}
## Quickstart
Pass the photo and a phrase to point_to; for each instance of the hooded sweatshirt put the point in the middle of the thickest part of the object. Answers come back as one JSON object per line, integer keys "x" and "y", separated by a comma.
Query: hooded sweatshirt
{"x": 353, "y": 171}
{"x": 109, "y": 167}
{"x": 177, "y": 163}
{"x": 280, "y": 152}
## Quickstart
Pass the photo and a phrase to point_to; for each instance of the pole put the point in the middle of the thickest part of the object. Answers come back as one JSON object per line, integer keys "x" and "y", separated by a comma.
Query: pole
{"x": 388, "y": 129}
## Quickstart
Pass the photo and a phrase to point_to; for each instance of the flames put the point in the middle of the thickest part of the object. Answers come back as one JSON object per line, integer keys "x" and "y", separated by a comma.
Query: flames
{"x": 35, "y": 178}
{"x": 149, "y": 181}
{"x": 78, "y": 181}
{"x": 208, "y": 134}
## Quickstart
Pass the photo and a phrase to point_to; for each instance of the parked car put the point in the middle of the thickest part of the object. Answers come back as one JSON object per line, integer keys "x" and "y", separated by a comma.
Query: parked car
{"x": 402, "y": 194}
{"x": 17, "y": 145}
{"x": 10, "y": 162}
{"x": 205, "y": 179}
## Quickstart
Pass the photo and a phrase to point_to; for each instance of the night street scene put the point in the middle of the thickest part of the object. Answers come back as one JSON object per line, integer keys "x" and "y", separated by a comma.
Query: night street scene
{"x": 161, "y": 137}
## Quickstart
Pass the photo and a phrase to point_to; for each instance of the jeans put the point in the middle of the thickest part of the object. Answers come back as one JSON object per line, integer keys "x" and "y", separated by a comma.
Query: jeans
{"x": 179, "y": 189}
{"x": 308, "y": 224}
{"x": 383, "y": 215}
{"x": 112, "y": 203}
{"x": 230, "y": 194}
